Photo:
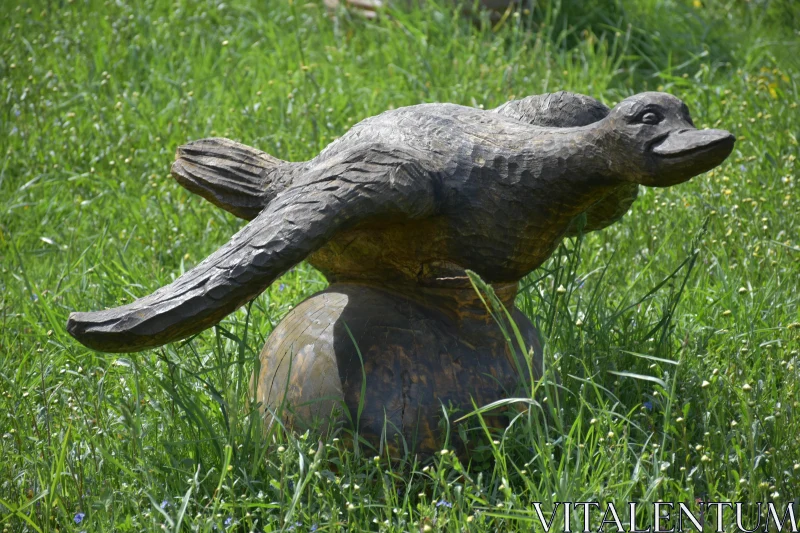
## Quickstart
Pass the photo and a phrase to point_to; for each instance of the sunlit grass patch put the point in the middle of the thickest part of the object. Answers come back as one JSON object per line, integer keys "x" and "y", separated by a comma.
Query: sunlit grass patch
{"x": 675, "y": 333}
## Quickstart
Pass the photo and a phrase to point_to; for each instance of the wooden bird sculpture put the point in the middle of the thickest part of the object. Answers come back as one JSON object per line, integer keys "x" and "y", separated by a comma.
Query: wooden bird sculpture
{"x": 393, "y": 213}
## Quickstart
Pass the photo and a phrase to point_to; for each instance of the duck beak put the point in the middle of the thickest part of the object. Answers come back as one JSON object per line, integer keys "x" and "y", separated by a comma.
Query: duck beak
{"x": 681, "y": 154}
{"x": 714, "y": 144}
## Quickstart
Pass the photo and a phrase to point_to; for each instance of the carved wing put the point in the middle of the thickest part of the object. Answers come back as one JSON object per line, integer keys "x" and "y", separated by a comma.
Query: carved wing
{"x": 555, "y": 110}
{"x": 348, "y": 189}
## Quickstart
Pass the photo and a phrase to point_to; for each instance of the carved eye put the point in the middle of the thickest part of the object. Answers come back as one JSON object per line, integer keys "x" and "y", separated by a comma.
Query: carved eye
{"x": 651, "y": 118}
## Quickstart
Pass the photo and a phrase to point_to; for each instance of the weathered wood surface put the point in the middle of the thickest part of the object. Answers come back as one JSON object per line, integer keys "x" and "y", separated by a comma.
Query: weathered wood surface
{"x": 394, "y": 212}
{"x": 228, "y": 174}
{"x": 243, "y": 180}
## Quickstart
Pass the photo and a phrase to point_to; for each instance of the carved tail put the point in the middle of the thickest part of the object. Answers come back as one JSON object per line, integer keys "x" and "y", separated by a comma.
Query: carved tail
{"x": 231, "y": 175}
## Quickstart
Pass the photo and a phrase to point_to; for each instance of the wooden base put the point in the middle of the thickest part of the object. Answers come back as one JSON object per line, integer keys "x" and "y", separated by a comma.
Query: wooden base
{"x": 417, "y": 353}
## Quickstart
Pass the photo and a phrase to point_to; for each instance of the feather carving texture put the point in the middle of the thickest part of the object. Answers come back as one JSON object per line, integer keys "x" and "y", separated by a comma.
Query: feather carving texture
{"x": 414, "y": 196}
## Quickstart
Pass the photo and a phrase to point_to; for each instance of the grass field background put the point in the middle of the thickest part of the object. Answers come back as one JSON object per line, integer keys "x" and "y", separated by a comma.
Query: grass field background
{"x": 677, "y": 339}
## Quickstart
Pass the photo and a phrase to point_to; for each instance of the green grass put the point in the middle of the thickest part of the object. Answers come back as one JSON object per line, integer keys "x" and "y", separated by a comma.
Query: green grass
{"x": 676, "y": 340}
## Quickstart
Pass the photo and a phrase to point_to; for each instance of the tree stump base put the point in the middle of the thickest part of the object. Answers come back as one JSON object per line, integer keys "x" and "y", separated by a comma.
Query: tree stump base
{"x": 419, "y": 350}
